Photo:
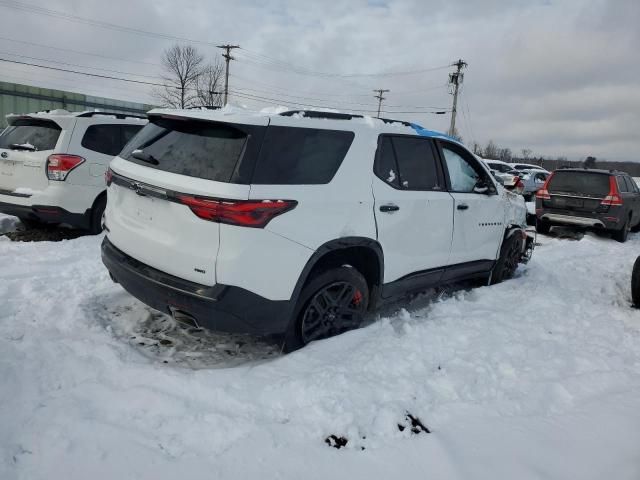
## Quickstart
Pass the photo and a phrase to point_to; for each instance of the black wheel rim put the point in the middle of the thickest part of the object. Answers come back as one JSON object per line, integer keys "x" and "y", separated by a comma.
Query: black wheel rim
{"x": 334, "y": 309}
{"x": 512, "y": 258}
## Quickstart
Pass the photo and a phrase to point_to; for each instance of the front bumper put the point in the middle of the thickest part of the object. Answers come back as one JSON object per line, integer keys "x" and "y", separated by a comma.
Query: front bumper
{"x": 220, "y": 307}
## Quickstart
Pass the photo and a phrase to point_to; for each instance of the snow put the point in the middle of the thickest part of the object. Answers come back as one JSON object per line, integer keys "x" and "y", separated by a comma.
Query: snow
{"x": 538, "y": 377}
{"x": 8, "y": 223}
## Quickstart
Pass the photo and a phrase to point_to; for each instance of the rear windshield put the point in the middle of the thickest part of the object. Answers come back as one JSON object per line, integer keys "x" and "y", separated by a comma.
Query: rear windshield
{"x": 589, "y": 183}
{"x": 198, "y": 149}
{"x": 30, "y": 135}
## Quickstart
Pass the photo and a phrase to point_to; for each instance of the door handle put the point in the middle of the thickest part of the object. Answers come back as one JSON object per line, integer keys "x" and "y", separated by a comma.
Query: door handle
{"x": 389, "y": 208}
{"x": 462, "y": 206}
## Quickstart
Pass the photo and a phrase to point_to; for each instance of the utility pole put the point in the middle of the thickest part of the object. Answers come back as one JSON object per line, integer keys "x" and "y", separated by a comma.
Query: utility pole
{"x": 455, "y": 80}
{"x": 227, "y": 57}
{"x": 380, "y": 98}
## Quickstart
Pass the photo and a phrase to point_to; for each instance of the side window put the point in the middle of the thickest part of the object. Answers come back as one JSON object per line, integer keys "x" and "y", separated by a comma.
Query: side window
{"x": 463, "y": 174}
{"x": 622, "y": 185}
{"x": 416, "y": 162}
{"x": 630, "y": 184}
{"x": 408, "y": 163}
{"x": 301, "y": 156}
{"x": 103, "y": 139}
{"x": 540, "y": 177}
{"x": 634, "y": 185}
{"x": 128, "y": 132}
{"x": 385, "y": 166}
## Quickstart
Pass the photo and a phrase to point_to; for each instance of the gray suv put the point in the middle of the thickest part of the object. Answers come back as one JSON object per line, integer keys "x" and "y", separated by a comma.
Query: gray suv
{"x": 599, "y": 199}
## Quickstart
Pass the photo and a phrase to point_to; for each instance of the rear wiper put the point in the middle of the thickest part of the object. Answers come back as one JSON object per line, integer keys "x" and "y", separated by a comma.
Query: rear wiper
{"x": 23, "y": 146}
{"x": 145, "y": 157}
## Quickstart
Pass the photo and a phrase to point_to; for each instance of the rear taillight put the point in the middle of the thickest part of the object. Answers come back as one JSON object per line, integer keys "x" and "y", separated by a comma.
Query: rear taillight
{"x": 613, "y": 198}
{"x": 244, "y": 213}
{"x": 543, "y": 192}
{"x": 518, "y": 185}
{"x": 59, "y": 165}
{"x": 108, "y": 176}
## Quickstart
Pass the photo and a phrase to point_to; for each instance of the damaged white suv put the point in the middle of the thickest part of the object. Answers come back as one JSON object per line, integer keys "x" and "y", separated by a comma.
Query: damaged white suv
{"x": 298, "y": 224}
{"x": 52, "y": 165}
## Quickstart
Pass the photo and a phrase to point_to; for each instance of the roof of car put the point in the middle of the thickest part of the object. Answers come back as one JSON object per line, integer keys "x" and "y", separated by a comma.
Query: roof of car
{"x": 589, "y": 170}
{"x": 319, "y": 118}
{"x": 84, "y": 114}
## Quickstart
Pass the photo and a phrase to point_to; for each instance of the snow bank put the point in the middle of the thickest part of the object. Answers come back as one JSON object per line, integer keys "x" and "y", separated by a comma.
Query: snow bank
{"x": 538, "y": 377}
{"x": 8, "y": 223}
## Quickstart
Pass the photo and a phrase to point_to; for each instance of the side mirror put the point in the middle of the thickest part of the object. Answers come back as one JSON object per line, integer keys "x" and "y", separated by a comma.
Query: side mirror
{"x": 480, "y": 189}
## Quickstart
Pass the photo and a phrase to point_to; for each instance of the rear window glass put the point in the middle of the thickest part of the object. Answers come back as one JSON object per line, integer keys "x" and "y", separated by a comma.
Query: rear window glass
{"x": 30, "y": 134}
{"x": 199, "y": 149}
{"x": 580, "y": 182}
{"x": 301, "y": 156}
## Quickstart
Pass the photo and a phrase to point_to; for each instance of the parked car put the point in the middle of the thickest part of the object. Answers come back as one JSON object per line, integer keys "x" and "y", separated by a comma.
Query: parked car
{"x": 600, "y": 199}
{"x": 52, "y": 165}
{"x": 532, "y": 180}
{"x": 523, "y": 167}
{"x": 297, "y": 224}
{"x": 502, "y": 170}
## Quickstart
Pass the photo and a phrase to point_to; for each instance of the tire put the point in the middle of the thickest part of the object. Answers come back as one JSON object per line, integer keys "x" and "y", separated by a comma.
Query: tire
{"x": 635, "y": 283}
{"x": 510, "y": 255}
{"x": 30, "y": 223}
{"x": 636, "y": 227}
{"x": 322, "y": 310}
{"x": 543, "y": 227}
{"x": 622, "y": 234}
{"x": 96, "y": 215}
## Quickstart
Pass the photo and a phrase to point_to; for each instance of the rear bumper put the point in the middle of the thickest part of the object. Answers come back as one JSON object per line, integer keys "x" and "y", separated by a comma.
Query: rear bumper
{"x": 47, "y": 214}
{"x": 608, "y": 221}
{"x": 221, "y": 307}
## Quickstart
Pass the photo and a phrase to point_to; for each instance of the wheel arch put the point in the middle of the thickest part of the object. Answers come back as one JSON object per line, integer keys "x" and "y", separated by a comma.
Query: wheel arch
{"x": 363, "y": 253}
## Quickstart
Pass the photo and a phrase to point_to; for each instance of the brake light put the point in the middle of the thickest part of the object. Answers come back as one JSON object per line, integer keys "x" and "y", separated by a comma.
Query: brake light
{"x": 108, "y": 176}
{"x": 519, "y": 185}
{"x": 244, "y": 213}
{"x": 59, "y": 165}
{"x": 614, "y": 197}
{"x": 543, "y": 192}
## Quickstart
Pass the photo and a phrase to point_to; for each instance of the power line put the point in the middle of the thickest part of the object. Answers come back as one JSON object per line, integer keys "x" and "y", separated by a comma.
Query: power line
{"x": 109, "y": 77}
{"x": 81, "y": 66}
{"x": 268, "y": 62}
{"x": 227, "y": 58}
{"x": 78, "y": 52}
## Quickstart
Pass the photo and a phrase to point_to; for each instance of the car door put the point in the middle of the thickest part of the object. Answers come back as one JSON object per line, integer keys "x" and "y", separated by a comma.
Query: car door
{"x": 413, "y": 210}
{"x": 631, "y": 197}
{"x": 478, "y": 218}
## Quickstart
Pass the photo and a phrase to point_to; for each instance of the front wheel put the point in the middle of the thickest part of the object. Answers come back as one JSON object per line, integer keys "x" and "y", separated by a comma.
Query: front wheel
{"x": 331, "y": 303}
{"x": 510, "y": 255}
{"x": 543, "y": 227}
{"x": 635, "y": 284}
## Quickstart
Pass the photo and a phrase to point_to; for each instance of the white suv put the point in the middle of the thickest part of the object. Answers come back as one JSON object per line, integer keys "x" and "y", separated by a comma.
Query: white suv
{"x": 52, "y": 165}
{"x": 299, "y": 223}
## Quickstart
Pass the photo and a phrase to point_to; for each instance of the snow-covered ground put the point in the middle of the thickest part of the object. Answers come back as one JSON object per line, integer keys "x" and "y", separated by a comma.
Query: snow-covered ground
{"x": 538, "y": 377}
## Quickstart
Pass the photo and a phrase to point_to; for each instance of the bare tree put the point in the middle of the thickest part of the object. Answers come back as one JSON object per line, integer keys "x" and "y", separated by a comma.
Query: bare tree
{"x": 505, "y": 154}
{"x": 491, "y": 151}
{"x": 590, "y": 162}
{"x": 210, "y": 85}
{"x": 477, "y": 149}
{"x": 526, "y": 153}
{"x": 182, "y": 65}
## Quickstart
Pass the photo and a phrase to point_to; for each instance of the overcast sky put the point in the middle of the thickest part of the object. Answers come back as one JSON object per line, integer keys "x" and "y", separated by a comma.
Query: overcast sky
{"x": 560, "y": 77}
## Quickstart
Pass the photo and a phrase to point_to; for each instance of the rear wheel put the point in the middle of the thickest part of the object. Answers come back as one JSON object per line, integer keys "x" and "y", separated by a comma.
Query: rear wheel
{"x": 510, "y": 255}
{"x": 331, "y": 303}
{"x": 635, "y": 283}
{"x": 543, "y": 227}
{"x": 96, "y": 215}
{"x": 622, "y": 234}
{"x": 30, "y": 223}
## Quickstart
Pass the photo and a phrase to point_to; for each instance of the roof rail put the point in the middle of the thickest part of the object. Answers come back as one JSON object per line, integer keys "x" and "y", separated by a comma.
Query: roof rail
{"x": 206, "y": 107}
{"x": 336, "y": 116}
{"x": 118, "y": 115}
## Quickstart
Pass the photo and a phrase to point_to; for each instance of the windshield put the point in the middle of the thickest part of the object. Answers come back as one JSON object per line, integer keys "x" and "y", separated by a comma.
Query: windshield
{"x": 30, "y": 134}
{"x": 195, "y": 148}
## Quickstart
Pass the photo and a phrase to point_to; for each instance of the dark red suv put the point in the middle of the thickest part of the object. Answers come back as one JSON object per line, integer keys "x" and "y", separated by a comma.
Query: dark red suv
{"x": 598, "y": 199}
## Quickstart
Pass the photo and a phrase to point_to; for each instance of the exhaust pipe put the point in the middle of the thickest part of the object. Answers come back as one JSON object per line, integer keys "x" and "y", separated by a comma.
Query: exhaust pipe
{"x": 184, "y": 318}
